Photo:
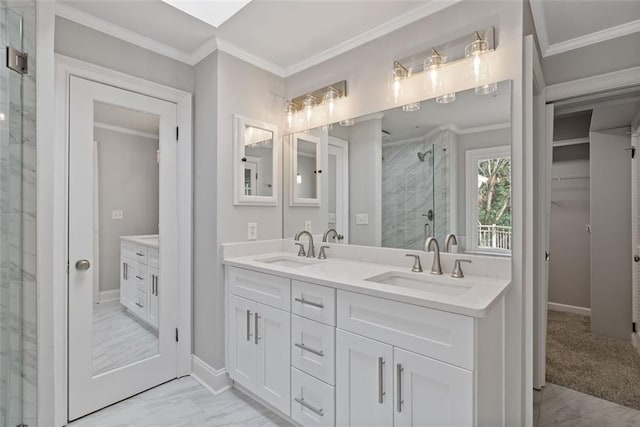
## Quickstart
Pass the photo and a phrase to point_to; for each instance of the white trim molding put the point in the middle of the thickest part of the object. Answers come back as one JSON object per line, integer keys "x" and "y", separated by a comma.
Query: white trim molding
{"x": 566, "y": 308}
{"x": 128, "y": 131}
{"x": 588, "y": 85}
{"x": 550, "y": 49}
{"x": 214, "y": 380}
{"x": 574, "y": 141}
{"x": 109, "y": 295}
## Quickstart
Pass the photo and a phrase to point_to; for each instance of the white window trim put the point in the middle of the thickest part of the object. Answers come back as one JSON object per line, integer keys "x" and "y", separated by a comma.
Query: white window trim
{"x": 471, "y": 188}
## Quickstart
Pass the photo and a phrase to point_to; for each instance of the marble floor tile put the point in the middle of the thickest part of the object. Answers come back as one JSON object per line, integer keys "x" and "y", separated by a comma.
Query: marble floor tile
{"x": 185, "y": 403}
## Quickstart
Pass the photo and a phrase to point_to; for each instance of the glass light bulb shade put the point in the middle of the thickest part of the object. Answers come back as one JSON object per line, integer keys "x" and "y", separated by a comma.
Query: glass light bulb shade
{"x": 433, "y": 71}
{"x": 396, "y": 88}
{"x": 488, "y": 89}
{"x": 414, "y": 106}
{"x": 479, "y": 68}
{"x": 326, "y": 128}
{"x": 307, "y": 105}
{"x": 290, "y": 111}
{"x": 446, "y": 99}
{"x": 330, "y": 98}
{"x": 347, "y": 122}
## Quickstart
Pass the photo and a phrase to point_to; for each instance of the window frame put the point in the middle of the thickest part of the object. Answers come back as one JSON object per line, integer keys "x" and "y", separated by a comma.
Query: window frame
{"x": 471, "y": 188}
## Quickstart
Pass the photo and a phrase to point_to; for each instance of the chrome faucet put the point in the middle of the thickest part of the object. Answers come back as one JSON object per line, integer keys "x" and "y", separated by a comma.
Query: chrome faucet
{"x": 436, "y": 267}
{"x": 325, "y": 236}
{"x": 447, "y": 241}
{"x": 311, "y": 252}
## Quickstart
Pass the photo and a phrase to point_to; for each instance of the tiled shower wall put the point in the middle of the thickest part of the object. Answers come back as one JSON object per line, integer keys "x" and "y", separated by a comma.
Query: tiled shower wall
{"x": 410, "y": 188}
{"x": 18, "y": 221}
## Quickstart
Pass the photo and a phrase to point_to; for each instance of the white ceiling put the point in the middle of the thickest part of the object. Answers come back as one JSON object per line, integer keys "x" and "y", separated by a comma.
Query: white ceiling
{"x": 120, "y": 118}
{"x": 468, "y": 113}
{"x": 283, "y": 37}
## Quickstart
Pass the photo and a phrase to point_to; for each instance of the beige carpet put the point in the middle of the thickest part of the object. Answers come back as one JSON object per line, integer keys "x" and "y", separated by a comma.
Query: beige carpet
{"x": 600, "y": 366}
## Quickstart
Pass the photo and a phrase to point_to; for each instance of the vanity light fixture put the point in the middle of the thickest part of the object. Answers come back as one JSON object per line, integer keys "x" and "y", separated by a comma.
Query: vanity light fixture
{"x": 309, "y": 103}
{"x": 330, "y": 98}
{"x": 326, "y": 128}
{"x": 488, "y": 89}
{"x": 477, "y": 50}
{"x": 399, "y": 73}
{"x": 408, "y": 108}
{"x": 290, "y": 111}
{"x": 432, "y": 70}
{"x": 347, "y": 122}
{"x": 446, "y": 99}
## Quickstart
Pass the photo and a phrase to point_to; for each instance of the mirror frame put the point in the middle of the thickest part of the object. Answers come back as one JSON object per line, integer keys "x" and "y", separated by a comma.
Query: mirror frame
{"x": 305, "y": 201}
{"x": 239, "y": 198}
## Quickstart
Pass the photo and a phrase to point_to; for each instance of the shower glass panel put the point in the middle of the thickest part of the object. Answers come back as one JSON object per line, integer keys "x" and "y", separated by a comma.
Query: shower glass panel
{"x": 17, "y": 214}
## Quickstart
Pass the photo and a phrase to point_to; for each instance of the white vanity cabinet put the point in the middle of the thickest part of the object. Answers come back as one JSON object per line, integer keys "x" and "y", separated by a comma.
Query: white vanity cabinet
{"x": 139, "y": 278}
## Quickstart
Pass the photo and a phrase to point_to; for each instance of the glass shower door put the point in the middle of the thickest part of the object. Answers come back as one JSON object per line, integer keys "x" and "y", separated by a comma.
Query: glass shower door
{"x": 11, "y": 221}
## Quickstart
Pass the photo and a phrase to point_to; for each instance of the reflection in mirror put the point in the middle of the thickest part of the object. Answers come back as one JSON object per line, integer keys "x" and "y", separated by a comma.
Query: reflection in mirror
{"x": 258, "y": 152}
{"x": 410, "y": 174}
{"x": 126, "y": 262}
{"x": 306, "y": 170}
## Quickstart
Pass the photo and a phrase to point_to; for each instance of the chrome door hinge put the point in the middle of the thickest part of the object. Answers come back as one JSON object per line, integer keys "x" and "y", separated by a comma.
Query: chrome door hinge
{"x": 634, "y": 327}
{"x": 16, "y": 60}
{"x": 177, "y": 340}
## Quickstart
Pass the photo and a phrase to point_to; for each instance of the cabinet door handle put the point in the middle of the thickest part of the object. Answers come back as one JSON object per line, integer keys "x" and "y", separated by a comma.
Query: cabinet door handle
{"x": 248, "y": 325}
{"x": 311, "y": 303}
{"x": 255, "y": 335}
{"x": 399, "y": 370}
{"x": 157, "y": 283}
{"x": 124, "y": 270}
{"x": 138, "y": 277}
{"x": 381, "y": 392}
{"x": 153, "y": 284}
{"x": 309, "y": 349}
{"x": 309, "y": 406}
{"x": 139, "y": 254}
{"x": 139, "y": 305}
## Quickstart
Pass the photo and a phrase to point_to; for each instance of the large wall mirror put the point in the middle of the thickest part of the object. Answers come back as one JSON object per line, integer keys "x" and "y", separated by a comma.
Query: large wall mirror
{"x": 256, "y": 161}
{"x": 427, "y": 169}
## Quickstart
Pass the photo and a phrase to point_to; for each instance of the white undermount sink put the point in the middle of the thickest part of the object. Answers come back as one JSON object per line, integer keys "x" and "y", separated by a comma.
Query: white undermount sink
{"x": 421, "y": 281}
{"x": 287, "y": 261}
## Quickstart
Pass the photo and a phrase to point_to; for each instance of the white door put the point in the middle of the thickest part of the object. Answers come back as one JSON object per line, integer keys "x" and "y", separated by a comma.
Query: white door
{"x": 272, "y": 335}
{"x": 242, "y": 361}
{"x": 111, "y": 355}
{"x": 364, "y": 381}
{"x": 430, "y": 393}
{"x": 635, "y": 233}
{"x": 339, "y": 187}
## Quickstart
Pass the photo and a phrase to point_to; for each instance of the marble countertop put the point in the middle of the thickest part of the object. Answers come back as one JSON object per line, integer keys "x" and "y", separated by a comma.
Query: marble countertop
{"x": 150, "y": 240}
{"x": 351, "y": 275}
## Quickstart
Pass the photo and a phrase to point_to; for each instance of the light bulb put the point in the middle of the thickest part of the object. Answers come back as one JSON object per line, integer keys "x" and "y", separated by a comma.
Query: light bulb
{"x": 330, "y": 98}
{"x": 308, "y": 105}
{"x": 414, "y": 106}
{"x": 398, "y": 75}
{"x": 446, "y": 99}
{"x": 477, "y": 50}
{"x": 488, "y": 89}
{"x": 347, "y": 122}
{"x": 433, "y": 75}
{"x": 290, "y": 112}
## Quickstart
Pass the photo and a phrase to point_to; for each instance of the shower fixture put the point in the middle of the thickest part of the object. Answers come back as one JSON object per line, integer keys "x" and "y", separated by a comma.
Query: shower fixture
{"x": 421, "y": 155}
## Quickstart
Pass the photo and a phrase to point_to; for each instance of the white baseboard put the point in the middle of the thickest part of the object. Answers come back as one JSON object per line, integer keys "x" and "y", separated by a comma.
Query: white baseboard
{"x": 584, "y": 311}
{"x": 214, "y": 380}
{"x": 113, "y": 294}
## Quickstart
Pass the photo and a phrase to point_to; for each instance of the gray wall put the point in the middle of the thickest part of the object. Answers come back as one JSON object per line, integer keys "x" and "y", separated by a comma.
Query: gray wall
{"x": 474, "y": 141}
{"x": 128, "y": 180}
{"x": 365, "y": 176}
{"x": 570, "y": 265}
{"x": 610, "y": 234}
{"x": 92, "y": 46}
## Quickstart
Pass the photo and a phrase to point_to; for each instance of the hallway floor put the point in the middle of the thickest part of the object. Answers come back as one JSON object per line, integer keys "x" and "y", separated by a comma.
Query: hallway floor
{"x": 185, "y": 403}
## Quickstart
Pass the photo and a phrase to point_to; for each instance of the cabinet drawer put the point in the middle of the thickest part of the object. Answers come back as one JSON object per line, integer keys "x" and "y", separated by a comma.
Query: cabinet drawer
{"x": 312, "y": 401}
{"x": 139, "y": 306}
{"x": 153, "y": 258}
{"x": 313, "y": 348}
{"x": 140, "y": 277}
{"x": 438, "y": 334}
{"x": 128, "y": 249}
{"x": 314, "y": 302}
{"x": 270, "y": 290}
{"x": 141, "y": 254}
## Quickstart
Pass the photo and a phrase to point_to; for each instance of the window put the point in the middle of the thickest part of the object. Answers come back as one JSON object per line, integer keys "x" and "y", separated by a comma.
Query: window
{"x": 488, "y": 210}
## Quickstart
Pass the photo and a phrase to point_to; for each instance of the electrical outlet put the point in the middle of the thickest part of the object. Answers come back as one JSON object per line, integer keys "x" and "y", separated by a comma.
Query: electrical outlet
{"x": 362, "y": 219}
{"x": 332, "y": 218}
{"x": 307, "y": 225}
{"x": 117, "y": 214}
{"x": 252, "y": 231}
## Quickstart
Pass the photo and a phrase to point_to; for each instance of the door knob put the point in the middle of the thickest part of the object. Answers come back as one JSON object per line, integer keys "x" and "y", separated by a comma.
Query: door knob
{"x": 83, "y": 264}
{"x": 636, "y": 258}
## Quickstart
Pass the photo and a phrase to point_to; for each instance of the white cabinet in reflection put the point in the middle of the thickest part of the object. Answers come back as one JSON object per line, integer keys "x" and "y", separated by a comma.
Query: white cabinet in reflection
{"x": 140, "y": 278}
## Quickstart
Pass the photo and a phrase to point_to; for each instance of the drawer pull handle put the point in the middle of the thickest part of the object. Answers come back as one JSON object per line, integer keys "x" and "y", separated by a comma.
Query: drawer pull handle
{"x": 311, "y": 303}
{"x": 309, "y": 349}
{"x": 138, "y": 304}
{"x": 139, "y": 254}
{"x": 248, "y": 325}
{"x": 138, "y": 277}
{"x": 309, "y": 406}
{"x": 381, "y": 392}
{"x": 399, "y": 370}
{"x": 257, "y": 338}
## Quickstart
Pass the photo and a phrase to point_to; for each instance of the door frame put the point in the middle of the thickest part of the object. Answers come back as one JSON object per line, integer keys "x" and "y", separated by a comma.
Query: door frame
{"x": 343, "y": 199}
{"x": 65, "y": 68}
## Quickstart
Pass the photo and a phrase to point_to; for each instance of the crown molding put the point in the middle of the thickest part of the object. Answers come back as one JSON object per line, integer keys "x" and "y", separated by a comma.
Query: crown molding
{"x": 259, "y": 62}
{"x": 414, "y": 15}
{"x": 574, "y": 141}
{"x": 82, "y": 18}
{"x": 205, "y": 49}
{"x": 593, "y": 38}
{"x": 128, "y": 131}
{"x": 537, "y": 10}
{"x": 478, "y": 129}
{"x": 593, "y": 84}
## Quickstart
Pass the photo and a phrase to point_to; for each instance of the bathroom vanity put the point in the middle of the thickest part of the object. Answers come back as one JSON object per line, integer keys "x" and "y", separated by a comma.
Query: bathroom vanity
{"x": 358, "y": 339}
{"x": 139, "y": 276}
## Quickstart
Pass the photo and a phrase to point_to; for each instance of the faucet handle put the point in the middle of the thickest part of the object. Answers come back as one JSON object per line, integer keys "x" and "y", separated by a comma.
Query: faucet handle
{"x": 301, "y": 251}
{"x": 322, "y": 255}
{"x": 457, "y": 269}
{"x": 417, "y": 266}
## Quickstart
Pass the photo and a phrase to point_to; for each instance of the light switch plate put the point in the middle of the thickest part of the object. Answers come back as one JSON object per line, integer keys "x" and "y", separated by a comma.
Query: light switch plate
{"x": 117, "y": 214}
{"x": 252, "y": 231}
{"x": 307, "y": 225}
{"x": 362, "y": 219}
{"x": 332, "y": 218}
